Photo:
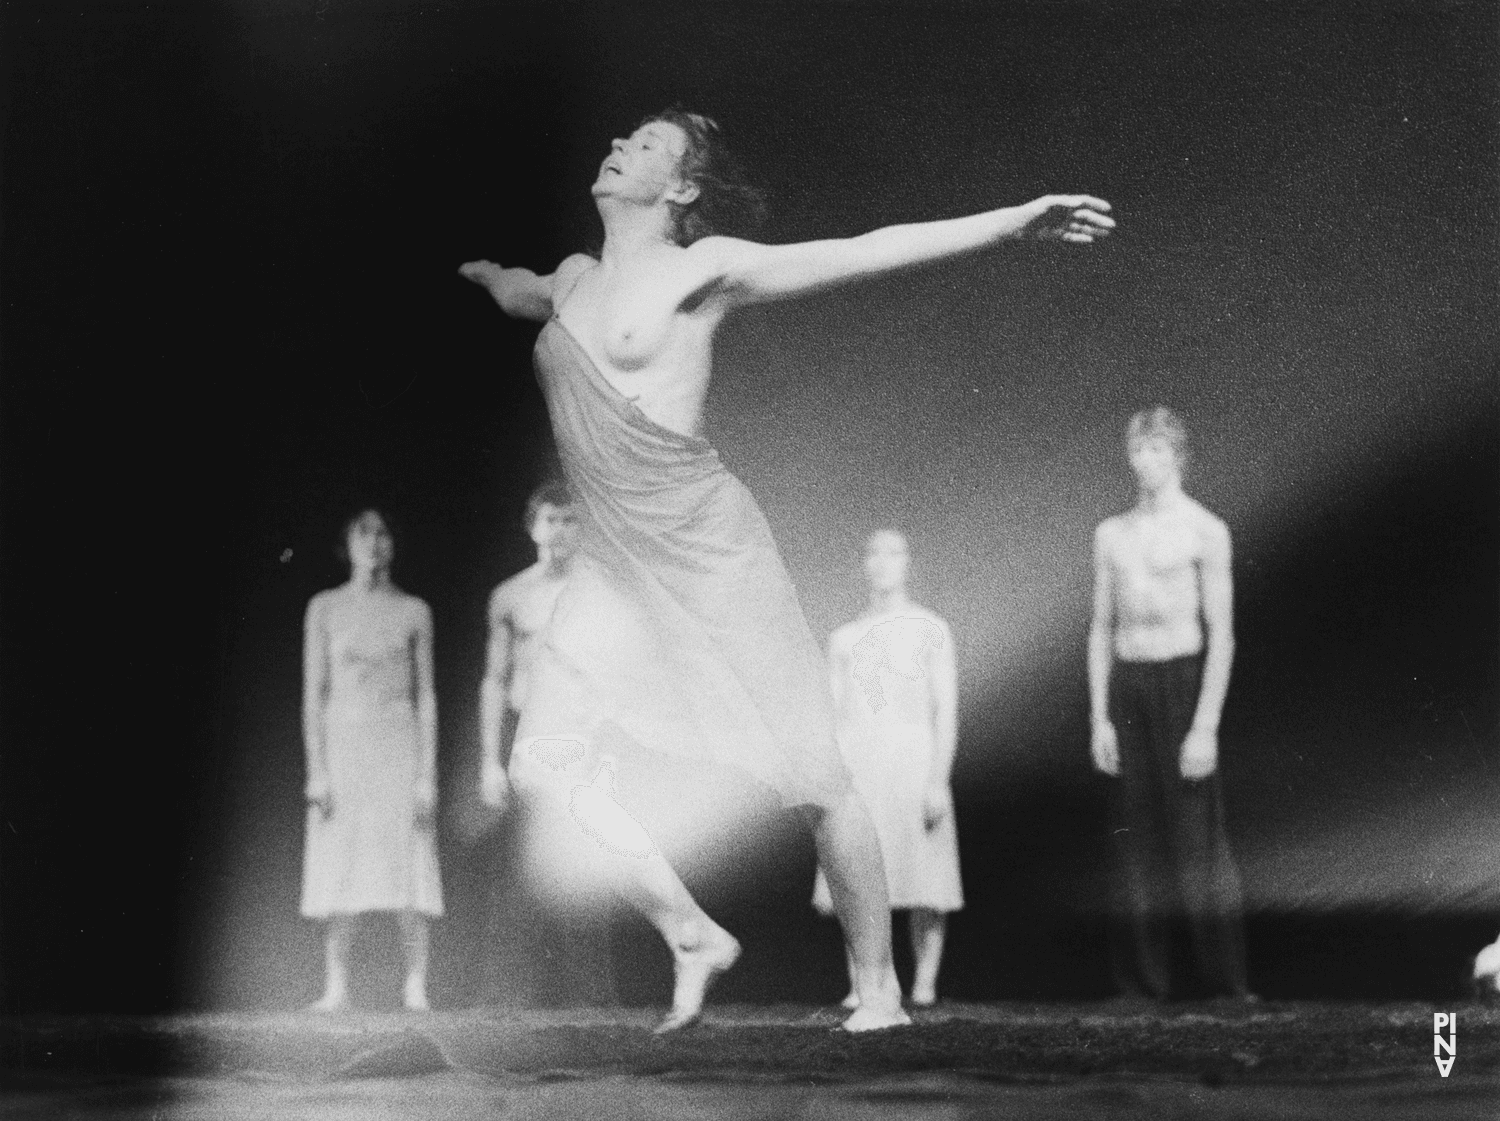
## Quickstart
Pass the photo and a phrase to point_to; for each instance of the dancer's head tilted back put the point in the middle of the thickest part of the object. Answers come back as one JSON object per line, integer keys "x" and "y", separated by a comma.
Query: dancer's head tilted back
{"x": 1156, "y": 444}
{"x": 678, "y": 159}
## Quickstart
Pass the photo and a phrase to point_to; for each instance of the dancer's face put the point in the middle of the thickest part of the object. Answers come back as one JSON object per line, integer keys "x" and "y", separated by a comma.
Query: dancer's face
{"x": 1154, "y": 461}
{"x": 886, "y": 561}
{"x": 369, "y": 543}
{"x": 645, "y": 168}
{"x": 555, "y": 529}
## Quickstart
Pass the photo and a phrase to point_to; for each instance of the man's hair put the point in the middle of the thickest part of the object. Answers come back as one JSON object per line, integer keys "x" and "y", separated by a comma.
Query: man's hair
{"x": 727, "y": 202}
{"x": 1160, "y": 423}
{"x": 554, "y": 492}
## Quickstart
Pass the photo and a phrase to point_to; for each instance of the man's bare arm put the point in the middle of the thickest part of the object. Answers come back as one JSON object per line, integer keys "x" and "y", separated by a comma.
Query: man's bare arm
{"x": 1103, "y": 743}
{"x": 750, "y": 273}
{"x": 1216, "y": 588}
{"x": 492, "y": 689}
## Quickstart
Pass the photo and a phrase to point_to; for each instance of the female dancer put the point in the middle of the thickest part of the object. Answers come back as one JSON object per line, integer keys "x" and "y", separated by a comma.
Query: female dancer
{"x": 370, "y": 729}
{"x": 679, "y": 630}
{"x": 895, "y": 698}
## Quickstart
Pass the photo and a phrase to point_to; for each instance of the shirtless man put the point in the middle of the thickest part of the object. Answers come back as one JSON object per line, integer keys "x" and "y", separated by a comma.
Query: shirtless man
{"x": 519, "y": 610}
{"x": 571, "y": 964}
{"x": 1160, "y": 651}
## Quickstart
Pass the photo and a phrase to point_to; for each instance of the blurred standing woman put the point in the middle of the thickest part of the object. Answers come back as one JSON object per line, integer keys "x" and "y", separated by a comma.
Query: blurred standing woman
{"x": 895, "y": 699}
{"x": 369, "y": 721}
{"x": 679, "y": 630}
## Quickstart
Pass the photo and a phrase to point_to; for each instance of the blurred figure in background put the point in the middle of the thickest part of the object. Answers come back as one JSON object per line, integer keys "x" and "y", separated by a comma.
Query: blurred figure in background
{"x": 895, "y": 698}
{"x": 369, "y": 720}
{"x": 528, "y": 952}
{"x": 1160, "y": 651}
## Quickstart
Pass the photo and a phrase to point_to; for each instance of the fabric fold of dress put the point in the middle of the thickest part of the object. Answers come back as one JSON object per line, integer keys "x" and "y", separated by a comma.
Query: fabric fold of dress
{"x": 679, "y": 628}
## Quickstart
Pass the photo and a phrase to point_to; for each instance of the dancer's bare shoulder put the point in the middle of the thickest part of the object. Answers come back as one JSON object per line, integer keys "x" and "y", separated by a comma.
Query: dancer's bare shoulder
{"x": 1108, "y": 535}
{"x": 1210, "y": 530}
{"x": 567, "y": 275}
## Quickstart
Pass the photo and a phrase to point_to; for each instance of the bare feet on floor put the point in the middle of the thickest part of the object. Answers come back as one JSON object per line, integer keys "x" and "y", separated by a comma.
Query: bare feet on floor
{"x": 415, "y": 996}
{"x": 329, "y": 1002}
{"x": 698, "y": 959}
{"x": 879, "y": 1007}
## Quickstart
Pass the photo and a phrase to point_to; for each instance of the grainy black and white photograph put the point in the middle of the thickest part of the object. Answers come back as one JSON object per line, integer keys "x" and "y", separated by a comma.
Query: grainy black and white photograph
{"x": 745, "y": 559}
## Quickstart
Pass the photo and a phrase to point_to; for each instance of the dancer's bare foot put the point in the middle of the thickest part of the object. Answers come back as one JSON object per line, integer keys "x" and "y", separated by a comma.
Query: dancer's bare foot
{"x": 415, "y": 996}
{"x": 698, "y": 959}
{"x": 851, "y": 1001}
{"x": 923, "y": 998}
{"x": 879, "y": 1006}
{"x": 329, "y": 1002}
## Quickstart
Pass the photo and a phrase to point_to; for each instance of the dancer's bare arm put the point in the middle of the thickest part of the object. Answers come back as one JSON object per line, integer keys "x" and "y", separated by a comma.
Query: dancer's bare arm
{"x": 942, "y": 676}
{"x": 493, "y": 784}
{"x": 314, "y": 697}
{"x": 1200, "y": 750}
{"x": 749, "y": 272}
{"x": 1103, "y": 744}
{"x": 426, "y": 792}
{"x": 521, "y": 293}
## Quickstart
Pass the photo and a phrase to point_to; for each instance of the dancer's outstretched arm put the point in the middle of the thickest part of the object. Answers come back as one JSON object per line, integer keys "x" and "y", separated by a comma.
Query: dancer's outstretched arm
{"x": 749, "y": 272}
{"x": 521, "y": 293}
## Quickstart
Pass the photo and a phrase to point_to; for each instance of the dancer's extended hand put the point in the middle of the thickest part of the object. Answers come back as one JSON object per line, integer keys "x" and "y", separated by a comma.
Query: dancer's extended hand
{"x": 1104, "y": 744}
{"x": 1080, "y": 219}
{"x": 486, "y": 274}
{"x": 1200, "y": 754}
{"x": 937, "y": 803}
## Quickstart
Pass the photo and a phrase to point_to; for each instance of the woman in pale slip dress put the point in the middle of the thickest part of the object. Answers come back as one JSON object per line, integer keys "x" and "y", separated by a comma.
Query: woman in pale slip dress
{"x": 370, "y": 729}
{"x": 895, "y": 698}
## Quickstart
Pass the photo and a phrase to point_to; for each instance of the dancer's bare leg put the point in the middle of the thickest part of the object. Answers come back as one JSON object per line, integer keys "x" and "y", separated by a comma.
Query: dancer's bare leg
{"x": 929, "y": 929}
{"x": 701, "y": 948}
{"x": 849, "y": 853}
{"x": 336, "y": 943}
{"x": 851, "y": 1001}
{"x": 415, "y": 942}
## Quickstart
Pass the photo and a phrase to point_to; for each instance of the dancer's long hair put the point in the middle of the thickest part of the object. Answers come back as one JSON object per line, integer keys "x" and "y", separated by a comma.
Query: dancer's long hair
{"x": 727, "y": 202}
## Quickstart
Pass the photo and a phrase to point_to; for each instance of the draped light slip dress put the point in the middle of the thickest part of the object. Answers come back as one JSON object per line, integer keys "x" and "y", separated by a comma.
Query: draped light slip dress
{"x": 371, "y": 855}
{"x": 885, "y": 730}
{"x": 679, "y": 630}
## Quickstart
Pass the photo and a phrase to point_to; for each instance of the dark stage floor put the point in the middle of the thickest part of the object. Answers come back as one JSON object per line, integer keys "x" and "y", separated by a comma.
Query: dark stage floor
{"x": 1284, "y": 1060}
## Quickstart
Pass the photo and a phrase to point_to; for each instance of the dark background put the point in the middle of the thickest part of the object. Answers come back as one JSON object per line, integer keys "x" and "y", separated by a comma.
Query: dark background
{"x": 231, "y": 317}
